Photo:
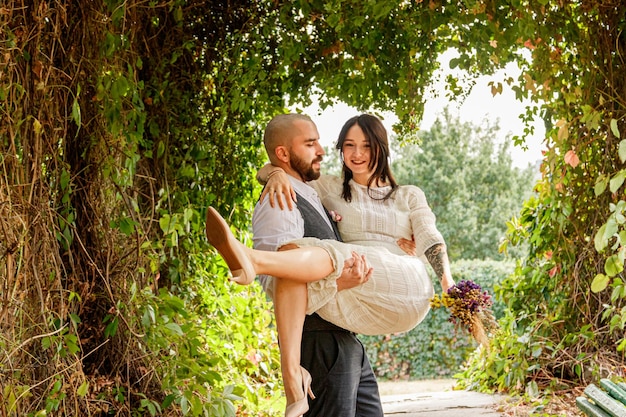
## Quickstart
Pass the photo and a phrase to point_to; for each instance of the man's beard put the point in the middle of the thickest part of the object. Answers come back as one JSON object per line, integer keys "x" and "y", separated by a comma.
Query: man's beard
{"x": 305, "y": 169}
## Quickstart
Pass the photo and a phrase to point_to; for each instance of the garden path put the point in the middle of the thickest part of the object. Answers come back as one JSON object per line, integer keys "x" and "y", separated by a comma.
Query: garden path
{"x": 435, "y": 398}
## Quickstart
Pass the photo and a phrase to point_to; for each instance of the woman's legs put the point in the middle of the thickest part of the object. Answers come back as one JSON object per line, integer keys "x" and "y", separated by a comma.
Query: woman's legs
{"x": 295, "y": 267}
{"x": 301, "y": 264}
{"x": 290, "y": 298}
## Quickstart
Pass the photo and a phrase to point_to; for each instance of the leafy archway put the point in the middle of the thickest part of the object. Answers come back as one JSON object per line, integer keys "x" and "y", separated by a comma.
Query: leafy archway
{"x": 122, "y": 120}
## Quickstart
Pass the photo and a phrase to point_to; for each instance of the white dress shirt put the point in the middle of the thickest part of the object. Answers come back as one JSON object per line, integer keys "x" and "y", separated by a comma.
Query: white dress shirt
{"x": 273, "y": 227}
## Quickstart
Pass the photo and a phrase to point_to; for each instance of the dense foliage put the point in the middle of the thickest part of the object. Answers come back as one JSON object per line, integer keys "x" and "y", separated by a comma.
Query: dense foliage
{"x": 122, "y": 120}
{"x": 470, "y": 182}
{"x": 567, "y": 299}
{"x": 114, "y": 304}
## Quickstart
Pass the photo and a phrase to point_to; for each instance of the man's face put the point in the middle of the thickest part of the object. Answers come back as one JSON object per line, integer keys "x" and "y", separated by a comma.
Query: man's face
{"x": 306, "y": 152}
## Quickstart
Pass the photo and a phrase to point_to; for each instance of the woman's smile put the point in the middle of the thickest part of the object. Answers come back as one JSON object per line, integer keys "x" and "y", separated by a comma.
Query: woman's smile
{"x": 357, "y": 154}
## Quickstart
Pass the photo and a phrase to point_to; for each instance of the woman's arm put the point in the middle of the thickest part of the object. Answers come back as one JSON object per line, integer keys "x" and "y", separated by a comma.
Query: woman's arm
{"x": 427, "y": 236}
{"x": 266, "y": 171}
{"x": 277, "y": 185}
{"x": 437, "y": 256}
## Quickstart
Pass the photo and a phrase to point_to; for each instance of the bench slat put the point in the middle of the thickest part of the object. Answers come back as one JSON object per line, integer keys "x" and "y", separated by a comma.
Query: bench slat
{"x": 604, "y": 401}
{"x": 591, "y": 410}
{"x": 614, "y": 390}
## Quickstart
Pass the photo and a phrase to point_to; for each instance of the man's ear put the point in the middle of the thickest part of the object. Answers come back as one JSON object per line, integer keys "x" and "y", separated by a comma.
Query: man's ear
{"x": 282, "y": 154}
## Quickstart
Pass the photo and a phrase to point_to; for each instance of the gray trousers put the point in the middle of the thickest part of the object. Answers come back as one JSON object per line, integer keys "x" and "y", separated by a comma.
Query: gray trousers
{"x": 343, "y": 382}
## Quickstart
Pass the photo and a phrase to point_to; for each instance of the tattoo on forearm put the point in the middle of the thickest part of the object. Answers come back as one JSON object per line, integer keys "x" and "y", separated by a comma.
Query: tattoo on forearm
{"x": 438, "y": 257}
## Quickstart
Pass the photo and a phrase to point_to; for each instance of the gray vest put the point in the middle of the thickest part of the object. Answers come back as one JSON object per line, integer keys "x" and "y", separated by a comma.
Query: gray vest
{"x": 315, "y": 226}
{"x": 314, "y": 223}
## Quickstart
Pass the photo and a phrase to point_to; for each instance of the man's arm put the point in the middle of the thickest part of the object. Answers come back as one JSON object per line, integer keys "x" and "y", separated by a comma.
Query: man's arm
{"x": 273, "y": 227}
{"x": 437, "y": 256}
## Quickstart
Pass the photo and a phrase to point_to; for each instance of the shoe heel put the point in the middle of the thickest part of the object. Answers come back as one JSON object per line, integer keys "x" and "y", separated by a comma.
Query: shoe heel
{"x": 298, "y": 408}
{"x": 306, "y": 382}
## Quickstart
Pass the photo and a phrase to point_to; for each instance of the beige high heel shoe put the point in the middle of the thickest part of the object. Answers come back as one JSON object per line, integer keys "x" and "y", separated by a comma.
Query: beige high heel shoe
{"x": 219, "y": 235}
{"x": 298, "y": 408}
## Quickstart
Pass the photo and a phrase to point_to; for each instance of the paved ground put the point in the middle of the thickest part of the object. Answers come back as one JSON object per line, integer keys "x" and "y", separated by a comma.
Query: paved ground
{"x": 435, "y": 399}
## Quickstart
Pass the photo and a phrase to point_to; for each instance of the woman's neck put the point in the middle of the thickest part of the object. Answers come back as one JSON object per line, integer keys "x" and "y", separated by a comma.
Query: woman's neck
{"x": 377, "y": 183}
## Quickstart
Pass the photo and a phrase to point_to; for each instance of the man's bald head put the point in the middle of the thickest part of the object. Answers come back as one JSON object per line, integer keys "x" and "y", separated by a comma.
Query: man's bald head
{"x": 280, "y": 132}
{"x": 292, "y": 143}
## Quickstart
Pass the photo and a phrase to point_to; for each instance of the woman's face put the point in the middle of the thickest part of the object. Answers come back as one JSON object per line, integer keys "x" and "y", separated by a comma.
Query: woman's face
{"x": 357, "y": 154}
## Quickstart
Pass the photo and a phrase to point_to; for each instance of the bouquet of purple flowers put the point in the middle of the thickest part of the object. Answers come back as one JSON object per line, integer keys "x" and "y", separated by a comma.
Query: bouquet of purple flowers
{"x": 470, "y": 308}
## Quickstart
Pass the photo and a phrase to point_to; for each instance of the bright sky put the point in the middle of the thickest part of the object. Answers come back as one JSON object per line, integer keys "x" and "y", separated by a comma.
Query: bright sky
{"x": 479, "y": 105}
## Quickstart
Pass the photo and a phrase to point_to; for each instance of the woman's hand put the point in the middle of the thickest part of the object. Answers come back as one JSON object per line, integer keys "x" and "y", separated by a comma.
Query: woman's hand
{"x": 355, "y": 272}
{"x": 446, "y": 283}
{"x": 279, "y": 190}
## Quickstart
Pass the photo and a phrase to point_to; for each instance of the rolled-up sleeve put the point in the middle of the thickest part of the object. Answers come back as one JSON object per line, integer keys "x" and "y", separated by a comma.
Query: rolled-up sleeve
{"x": 423, "y": 221}
{"x": 272, "y": 228}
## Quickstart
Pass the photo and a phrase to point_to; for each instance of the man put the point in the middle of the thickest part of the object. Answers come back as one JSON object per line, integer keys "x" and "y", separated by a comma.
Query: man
{"x": 343, "y": 381}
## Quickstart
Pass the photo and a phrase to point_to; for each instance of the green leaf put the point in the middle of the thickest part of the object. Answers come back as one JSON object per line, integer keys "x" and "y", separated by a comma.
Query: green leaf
{"x": 622, "y": 150}
{"x": 160, "y": 149}
{"x": 175, "y": 328}
{"x": 599, "y": 283}
{"x": 617, "y": 181}
{"x": 76, "y": 113}
{"x": 76, "y": 117}
{"x": 37, "y": 127}
{"x": 148, "y": 317}
{"x": 613, "y": 266}
{"x": 46, "y": 342}
{"x": 82, "y": 390}
{"x": 169, "y": 399}
{"x": 71, "y": 342}
{"x": 532, "y": 389}
{"x": 111, "y": 328}
{"x": 120, "y": 87}
{"x": 127, "y": 226}
{"x": 178, "y": 14}
{"x": 165, "y": 223}
{"x": 64, "y": 180}
{"x": 601, "y": 184}
{"x": 74, "y": 318}
{"x": 611, "y": 228}
{"x": 599, "y": 241}
{"x": 615, "y": 130}
{"x": 187, "y": 215}
{"x": 173, "y": 239}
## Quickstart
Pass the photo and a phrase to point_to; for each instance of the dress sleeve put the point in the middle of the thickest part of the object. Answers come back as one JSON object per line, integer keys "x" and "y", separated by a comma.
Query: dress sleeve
{"x": 326, "y": 185}
{"x": 423, "y": 221}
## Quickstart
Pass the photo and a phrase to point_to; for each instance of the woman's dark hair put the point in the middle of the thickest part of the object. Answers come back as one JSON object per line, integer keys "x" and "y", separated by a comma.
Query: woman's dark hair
{"x": 376, "y": 134}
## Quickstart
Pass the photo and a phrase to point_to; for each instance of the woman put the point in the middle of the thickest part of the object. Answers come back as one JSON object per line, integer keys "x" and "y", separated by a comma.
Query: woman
{"x": 375, "y": 212}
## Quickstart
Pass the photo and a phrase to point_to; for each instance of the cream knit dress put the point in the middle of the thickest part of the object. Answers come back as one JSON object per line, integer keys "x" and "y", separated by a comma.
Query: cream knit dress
{"x": 396, "y": 297}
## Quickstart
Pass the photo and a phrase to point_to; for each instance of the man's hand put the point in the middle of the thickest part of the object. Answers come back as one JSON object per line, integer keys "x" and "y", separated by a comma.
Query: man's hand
{"x": 355, "y": 272}
{"x": 407, "y": 246}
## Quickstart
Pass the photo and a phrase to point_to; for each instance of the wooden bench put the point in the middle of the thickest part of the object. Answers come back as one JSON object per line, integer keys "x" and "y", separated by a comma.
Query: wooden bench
{"x": 608, "y": 401}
